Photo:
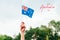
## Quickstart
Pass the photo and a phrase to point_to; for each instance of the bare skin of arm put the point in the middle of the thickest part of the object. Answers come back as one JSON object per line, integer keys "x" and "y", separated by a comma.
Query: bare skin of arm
{"x": 22, "y": 29}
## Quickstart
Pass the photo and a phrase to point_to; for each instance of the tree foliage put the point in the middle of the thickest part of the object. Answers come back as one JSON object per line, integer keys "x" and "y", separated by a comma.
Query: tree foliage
{"x": 39, "y": 33}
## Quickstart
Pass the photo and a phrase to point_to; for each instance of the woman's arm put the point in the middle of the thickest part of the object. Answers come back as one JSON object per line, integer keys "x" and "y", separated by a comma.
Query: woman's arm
{"x": 22, "y": 36}
{"x": 22, "y": 30}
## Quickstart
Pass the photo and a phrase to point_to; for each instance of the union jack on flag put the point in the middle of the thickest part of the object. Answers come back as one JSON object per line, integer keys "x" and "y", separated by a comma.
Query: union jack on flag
{"x": 27, "y": 11}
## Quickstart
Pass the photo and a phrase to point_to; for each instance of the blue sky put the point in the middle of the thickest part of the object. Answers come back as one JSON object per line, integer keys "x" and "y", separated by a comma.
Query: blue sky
{"x": 11, "y": 16}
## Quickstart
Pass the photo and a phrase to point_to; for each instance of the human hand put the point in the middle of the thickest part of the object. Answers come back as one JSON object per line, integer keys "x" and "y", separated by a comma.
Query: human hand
{"x": 22, "y": 27}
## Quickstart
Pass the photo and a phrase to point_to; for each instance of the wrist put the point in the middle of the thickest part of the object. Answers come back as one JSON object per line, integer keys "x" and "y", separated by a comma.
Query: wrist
{"x": 22, "y": 36}
{"x": 22, "y": 32}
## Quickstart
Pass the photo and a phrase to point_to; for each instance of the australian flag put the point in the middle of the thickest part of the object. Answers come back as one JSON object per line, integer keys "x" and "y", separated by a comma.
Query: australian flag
{"x": 27, "y": 11}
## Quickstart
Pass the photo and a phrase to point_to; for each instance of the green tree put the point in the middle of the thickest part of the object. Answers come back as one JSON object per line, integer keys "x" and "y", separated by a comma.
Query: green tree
{"x": 39, "y": 33}
{"x": 55, "y": 24}
{"x": 17, "y": 37}
{"x": 5, "y": 37}
{"x": 55, "y": 36}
